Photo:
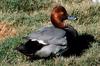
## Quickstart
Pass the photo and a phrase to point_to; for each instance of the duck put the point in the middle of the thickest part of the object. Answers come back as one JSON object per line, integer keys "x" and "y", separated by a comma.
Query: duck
{"x": 52, "y": 40}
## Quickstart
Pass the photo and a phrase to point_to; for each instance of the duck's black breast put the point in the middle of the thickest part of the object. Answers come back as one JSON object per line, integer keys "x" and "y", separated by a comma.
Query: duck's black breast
{"x": 50, "y": 35}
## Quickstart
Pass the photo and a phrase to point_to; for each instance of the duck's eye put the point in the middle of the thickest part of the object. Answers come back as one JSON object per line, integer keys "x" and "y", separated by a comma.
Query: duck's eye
{"x": 61, "y": 13}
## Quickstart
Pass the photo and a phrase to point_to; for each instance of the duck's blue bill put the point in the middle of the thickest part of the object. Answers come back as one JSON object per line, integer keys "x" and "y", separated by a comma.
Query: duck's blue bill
{"x": 72, "y": 18}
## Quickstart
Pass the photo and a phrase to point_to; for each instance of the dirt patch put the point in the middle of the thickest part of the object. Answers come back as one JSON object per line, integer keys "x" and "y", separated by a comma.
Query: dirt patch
{"x": 6, "y": 30}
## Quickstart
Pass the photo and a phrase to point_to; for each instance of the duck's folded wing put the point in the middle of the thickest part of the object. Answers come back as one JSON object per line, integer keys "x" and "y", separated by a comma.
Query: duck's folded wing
{"x": 49, "y": 35}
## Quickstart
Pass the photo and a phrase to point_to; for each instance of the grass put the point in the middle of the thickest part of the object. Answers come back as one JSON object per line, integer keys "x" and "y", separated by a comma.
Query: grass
{"x": 26, "y": 16}
{"x": 23, "y": 5}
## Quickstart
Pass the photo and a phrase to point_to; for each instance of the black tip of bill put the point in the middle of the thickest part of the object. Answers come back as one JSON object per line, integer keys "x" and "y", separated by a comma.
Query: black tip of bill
{"x": 72, "y": 18}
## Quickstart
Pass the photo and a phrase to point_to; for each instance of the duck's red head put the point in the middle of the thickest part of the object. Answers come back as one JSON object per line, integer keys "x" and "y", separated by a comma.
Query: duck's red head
{"x": 58, "y": 15}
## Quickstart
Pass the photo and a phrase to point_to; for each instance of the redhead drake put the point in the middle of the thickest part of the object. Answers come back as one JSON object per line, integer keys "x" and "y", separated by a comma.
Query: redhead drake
{"x": 52, "y": 40}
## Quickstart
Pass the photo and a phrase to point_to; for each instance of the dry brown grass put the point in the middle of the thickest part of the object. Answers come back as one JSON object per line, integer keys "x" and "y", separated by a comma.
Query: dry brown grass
{"x": 6, "y": 30}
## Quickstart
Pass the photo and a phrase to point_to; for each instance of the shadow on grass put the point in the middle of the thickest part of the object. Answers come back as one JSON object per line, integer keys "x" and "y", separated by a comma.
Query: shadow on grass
{"x": 78, "y": 46}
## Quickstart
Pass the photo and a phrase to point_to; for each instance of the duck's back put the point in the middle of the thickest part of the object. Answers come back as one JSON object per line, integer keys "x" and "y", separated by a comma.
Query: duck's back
{"x": 50, "y": 35}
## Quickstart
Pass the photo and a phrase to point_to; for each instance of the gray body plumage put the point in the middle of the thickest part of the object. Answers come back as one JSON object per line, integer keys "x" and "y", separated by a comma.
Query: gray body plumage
{"x": 49, "y": 35}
